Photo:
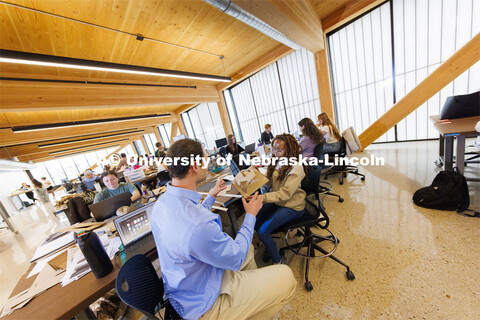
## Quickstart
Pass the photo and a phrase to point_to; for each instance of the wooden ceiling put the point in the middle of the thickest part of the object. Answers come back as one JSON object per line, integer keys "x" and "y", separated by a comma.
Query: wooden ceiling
{"x": 180, "y": 24}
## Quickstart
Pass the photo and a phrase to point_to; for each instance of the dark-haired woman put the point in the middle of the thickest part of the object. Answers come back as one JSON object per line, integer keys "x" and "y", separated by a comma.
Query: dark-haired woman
{"x": 311, "y": 137}
{"x": 233, "y": 147}
{"x": 41, "y": 191}
{"x": 286, "y": 200}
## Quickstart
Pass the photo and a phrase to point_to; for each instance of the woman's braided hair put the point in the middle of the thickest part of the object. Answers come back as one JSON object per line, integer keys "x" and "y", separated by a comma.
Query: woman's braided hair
{"x": 293, "y": 150}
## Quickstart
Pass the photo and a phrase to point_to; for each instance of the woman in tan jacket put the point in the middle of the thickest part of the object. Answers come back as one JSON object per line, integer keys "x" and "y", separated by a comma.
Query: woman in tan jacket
{"x": 286, "y": 200}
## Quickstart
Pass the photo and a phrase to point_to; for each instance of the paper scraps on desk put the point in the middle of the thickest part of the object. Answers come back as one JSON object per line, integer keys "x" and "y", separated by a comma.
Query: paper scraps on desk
{"x": 229, "y": 177}
{"x": 160, "y": 190}
{"x": 52, "y": 243}
{"x": 249, "y": 180}
{"x": 84, "y": 226}
{"x": 77, "y": 265}
{"x": 43, "y": 262}
{"x": 44, "y": 281}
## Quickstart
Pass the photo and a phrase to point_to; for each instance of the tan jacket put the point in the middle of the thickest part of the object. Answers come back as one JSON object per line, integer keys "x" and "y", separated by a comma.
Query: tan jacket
{"x": 287, "y": 193}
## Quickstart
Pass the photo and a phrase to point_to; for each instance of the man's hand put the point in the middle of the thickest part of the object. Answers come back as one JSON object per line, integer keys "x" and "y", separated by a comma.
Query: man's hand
{"x": 219, "y": 186}
{"x": 254, "y": 205}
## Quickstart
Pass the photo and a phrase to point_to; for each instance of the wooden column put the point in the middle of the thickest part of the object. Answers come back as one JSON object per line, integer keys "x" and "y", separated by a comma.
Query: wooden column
{"x": 174, "y": 131}
{"x": 157, "y": 134}
{"x": 133, "y": 147}
{"x": 222, "y": 108}
{"x": 323, "y": 79}
{"x": 181, "y": 126}
{"x": 461, "y": 61}
{"x": 142, "y": 138}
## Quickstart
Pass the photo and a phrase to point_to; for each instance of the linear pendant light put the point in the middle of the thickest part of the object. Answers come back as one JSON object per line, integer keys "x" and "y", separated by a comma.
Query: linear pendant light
{"x": 9, "y": 56}
{"x": 84, "y": 123}
{"x": 86, "y": 147}
{"x": 89, "y": 139}
{"x": 84, "y": 151}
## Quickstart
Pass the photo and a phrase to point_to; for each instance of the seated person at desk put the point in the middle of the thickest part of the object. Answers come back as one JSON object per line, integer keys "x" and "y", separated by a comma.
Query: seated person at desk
{"x": 330, "y": 132}
{"x": 232, "y": 147}
{"x": 267, "y": 135}
{"x": 206, "y": 273}
{"x": 311, "y": 137}
{"x": 29, "y": 194}
{"x": 88, "y": 182}
{"x": 113, "y": 188}
{"x": 286, "y": 200}
{"x": 160, "y": 152}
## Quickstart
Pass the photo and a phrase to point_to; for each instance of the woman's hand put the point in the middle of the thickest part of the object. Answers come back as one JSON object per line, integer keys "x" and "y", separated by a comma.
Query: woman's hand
{"x": 219, "y": 186}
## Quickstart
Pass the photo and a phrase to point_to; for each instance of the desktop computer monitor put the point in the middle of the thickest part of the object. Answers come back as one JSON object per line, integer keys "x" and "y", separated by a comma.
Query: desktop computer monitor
{"x": 221, "y": 142}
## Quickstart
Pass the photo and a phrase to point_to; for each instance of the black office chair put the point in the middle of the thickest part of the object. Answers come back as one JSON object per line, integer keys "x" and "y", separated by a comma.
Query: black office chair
{"x": 314, "y": 217}
{"x": 139, "y": 287}
{"x": 325, "y": 187}
{"x": 163, "y": 178}
{"x": 343, "y": 169}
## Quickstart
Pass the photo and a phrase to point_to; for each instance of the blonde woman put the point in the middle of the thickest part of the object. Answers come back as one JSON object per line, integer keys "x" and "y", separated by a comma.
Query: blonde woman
{"x": 330, "y": 133}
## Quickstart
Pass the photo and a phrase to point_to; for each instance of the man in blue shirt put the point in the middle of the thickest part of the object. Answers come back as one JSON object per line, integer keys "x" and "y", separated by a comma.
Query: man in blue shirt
{"x": 206, "y": 273}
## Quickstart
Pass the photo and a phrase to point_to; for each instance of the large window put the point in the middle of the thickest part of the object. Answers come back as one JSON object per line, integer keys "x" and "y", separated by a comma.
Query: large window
{"x": 204, "y": 124}
{"x": 423, "y": 34}
{"x": 281, "y": 95}
{"x": 150, "y": 140}
{"x": 165, "y": 130}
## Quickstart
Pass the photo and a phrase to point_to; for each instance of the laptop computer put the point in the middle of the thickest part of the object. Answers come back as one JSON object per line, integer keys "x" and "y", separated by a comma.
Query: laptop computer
{"x": 105, "y": 209}
{"x": 135, "y": 231}
{"x": 250, "y": 148}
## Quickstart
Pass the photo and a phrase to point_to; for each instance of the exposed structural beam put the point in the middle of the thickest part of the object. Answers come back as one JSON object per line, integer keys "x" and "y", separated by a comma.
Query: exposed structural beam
{"x": 461, "y": 61}
{"x": 112, "y": 153}
{"x": 35, "y": 148}
{"x": 350, "y": 11}
{"x": 295, "y": 19}
{"x": 222, "y": 108}
{"x": 45, "y": 156}
{"x": 184, "y": 108}
{"x": 277, "y": 53}
{"x": 181, "y": 126}
{"x": 322, "y": 68}
{"x": 8, "y": 137}
{"x": 18, "y": 96}
{"x": 173, "y": 132}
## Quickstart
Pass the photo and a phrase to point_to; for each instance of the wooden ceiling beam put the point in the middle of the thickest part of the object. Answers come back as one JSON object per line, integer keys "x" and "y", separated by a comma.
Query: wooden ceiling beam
{"x": 277, "y": 53}
{"x": 18, "y": 96}
{"x": 8, "y": 137}
{"x": 44, "y": 156}
{"x": 34, "y": 148}
{"x": 295, "y": 19}
{"x": 461, "y": 61}
{"x": 349, "y": 12}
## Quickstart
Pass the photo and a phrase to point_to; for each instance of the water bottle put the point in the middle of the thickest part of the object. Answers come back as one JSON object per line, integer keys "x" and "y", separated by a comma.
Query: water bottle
{"x": 95, "y": 254}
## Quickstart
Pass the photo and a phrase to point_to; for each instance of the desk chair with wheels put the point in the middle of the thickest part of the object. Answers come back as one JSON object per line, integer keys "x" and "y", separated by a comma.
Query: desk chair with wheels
{"x": 163, "y": 178}
{"x": 325, "y": 187}
{"x": 343, "y": 169}
{"x": 139, "y": 287}
{"x": 314, "y": 217}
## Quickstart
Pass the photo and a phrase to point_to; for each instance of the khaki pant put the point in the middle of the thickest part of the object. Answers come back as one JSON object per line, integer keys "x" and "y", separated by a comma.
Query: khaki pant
{"x": 253, "y": 293}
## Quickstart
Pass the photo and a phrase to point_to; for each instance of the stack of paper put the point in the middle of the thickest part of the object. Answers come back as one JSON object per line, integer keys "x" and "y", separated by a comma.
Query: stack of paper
{"x": 53, "y": 243}
{"x": 77, "y": 265}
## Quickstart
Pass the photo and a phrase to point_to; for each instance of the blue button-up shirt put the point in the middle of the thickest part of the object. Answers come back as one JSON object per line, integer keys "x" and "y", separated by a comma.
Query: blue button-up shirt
{"x": 193, "y": 250}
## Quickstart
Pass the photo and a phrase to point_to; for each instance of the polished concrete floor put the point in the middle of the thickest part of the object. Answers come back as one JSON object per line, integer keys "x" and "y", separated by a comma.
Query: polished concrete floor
{"x": 409, "y": 262}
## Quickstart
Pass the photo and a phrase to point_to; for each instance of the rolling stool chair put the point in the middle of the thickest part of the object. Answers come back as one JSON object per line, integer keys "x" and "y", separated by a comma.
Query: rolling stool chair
{"x": 314, "y": 216}
{"x": 139, "y": 287}
{"x": 325, "y": 187}
{"x": 343, "y": 169}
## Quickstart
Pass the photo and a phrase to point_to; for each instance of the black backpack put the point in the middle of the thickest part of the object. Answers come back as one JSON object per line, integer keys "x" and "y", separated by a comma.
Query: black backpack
{"x": 449, "y": 191}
